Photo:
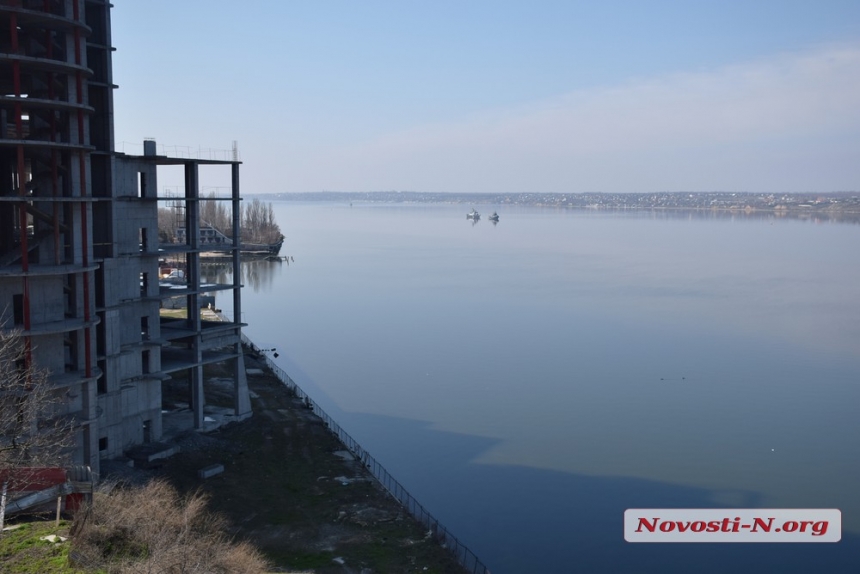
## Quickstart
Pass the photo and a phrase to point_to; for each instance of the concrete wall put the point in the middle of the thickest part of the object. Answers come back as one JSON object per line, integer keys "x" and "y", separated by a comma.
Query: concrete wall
{"x": 47, "y": 299}
{"x": 131, "y": 389}
{"x": 141, "y": 401}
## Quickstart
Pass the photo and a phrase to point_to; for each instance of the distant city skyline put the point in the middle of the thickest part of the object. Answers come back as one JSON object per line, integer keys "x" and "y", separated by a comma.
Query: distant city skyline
{"x": 499, "y": 97}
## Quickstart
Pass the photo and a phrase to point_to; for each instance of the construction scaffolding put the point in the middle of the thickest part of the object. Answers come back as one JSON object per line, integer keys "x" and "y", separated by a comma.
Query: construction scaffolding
{"x": 79, "y": 244}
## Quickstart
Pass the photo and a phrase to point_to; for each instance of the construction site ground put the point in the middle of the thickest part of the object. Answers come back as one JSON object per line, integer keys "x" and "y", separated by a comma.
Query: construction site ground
{"x": 291, "y": 488}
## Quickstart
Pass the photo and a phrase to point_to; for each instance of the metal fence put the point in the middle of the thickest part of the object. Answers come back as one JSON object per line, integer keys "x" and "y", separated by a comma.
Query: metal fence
{"x": 181, "y": 151}
{"x": 465, "y": 556}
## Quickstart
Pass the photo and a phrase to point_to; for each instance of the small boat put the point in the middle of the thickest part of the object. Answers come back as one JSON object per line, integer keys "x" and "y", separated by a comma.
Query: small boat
{"x": 494, "y": 217}
{"x": 473, "y": 215}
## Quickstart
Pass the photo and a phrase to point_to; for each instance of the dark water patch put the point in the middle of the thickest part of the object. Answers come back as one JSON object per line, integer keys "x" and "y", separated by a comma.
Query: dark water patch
{"x": 519, "y": 519}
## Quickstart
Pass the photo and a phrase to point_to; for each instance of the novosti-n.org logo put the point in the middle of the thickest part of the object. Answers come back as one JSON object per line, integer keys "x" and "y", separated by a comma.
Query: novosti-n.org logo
{"x": 732, "y": 525}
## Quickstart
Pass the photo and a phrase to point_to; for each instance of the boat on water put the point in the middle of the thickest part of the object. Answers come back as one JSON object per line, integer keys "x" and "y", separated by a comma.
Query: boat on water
{"x": 494, "y": 217}
{"x": 269, "y": 249}
{"x": 208, "y": 236}
{"x": 473, "y": 215}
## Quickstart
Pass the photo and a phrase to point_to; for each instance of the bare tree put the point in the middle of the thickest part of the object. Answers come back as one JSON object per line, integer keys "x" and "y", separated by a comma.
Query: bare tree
{"x": 258, "y": 223}
{"x": 214, "y": 213}
{"x": 167, "y": 225}
{"x": 33, "y": 431}
{"x": 257, "y": 220}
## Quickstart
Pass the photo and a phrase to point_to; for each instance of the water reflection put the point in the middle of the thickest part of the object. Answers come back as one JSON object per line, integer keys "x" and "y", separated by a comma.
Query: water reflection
{"x": 217, "y": 272}
{"x": 258, "y": 275}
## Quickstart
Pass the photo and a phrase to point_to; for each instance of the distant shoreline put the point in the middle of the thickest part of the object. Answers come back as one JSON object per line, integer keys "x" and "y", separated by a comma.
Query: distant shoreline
{"x": 842, "y": 207}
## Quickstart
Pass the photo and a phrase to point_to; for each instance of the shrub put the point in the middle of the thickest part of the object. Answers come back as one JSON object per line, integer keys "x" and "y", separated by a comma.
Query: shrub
{"x": 153, "y": 529}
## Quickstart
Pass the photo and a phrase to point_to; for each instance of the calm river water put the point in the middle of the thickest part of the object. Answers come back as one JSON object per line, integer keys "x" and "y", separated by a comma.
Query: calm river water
{"x": 529, "y": 381}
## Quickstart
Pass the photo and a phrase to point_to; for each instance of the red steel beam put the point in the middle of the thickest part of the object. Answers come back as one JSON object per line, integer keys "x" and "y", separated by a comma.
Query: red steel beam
{"x": 82, "y": 163}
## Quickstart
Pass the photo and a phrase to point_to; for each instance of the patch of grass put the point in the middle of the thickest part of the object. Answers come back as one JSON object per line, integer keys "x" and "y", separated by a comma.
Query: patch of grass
{"x": 21, "y": 551}
{"x": 173, "y": 313}
{"x": 305, "y": 560}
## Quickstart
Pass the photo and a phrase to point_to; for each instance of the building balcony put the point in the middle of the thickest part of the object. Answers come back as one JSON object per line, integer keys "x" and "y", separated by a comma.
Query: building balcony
{"x": 38, "y": 270}
{"x": 44, "y": 19}
{"x": 72, "y": 378}
{"x": 173, "y": 360}
{"x": 55, "y": 327}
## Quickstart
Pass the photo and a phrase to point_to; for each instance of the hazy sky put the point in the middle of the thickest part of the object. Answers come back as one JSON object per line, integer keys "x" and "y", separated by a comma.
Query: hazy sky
{"x": 499, "y": 96}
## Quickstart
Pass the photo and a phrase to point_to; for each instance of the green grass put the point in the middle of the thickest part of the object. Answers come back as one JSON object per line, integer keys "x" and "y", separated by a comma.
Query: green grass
{"x": 304, "y": 560}
{"x": 173, "y": 313}
{"x": 21, "y": 551}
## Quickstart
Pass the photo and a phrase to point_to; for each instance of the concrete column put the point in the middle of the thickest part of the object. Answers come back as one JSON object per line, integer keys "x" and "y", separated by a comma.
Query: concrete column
{"x": 237, "y": 259}
{"x": 241, "y": 397}
{"x": 192, "y": 277}
{"x": 192, "y": 228}
{"x": 197, "y": 397}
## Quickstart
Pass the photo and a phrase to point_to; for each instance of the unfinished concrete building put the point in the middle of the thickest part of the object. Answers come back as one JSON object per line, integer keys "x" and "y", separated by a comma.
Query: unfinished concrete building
{"x": 79, "y": 242}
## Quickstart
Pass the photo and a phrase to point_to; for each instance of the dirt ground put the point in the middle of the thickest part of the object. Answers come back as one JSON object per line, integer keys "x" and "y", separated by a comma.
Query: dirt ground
{"x": 290, "y": 487}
